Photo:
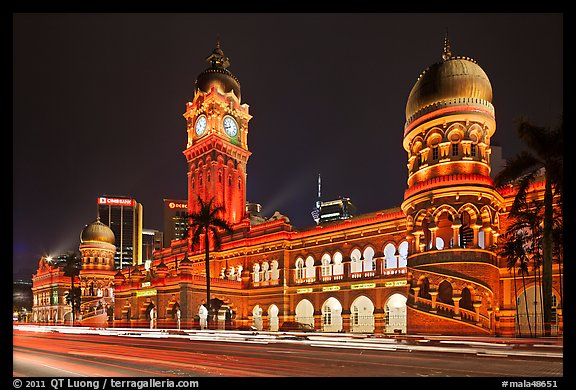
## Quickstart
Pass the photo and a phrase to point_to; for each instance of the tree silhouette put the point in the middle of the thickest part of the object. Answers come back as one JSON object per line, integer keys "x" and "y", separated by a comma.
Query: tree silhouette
{"x": 544, "y": 158}
{"x": 206, "y": 222}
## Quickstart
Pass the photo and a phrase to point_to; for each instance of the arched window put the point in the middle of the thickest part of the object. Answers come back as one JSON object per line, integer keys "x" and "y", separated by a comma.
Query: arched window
{"x": 326, "y": 266}
{"x": 445, "y": 293}
{"x": 390, "y": 256}
{"x": 403, "y": 251}
{"x": 310, "y": 268}
{"x": 466, "y": 300}
{"x": 274, "y": 272}
{"x": 439, "y": 243}
{"x": 338, "y": 267}
{"x": 369, "y": 262}
{"x": 300, "y": 268}
{"x": 355, "y": 262}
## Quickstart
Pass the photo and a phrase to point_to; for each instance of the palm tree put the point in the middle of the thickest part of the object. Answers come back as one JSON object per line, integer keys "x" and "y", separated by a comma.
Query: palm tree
{"x": 526, "y": 167}
{"x": 206, "y": 221}
{"x": 527, "y": 218}
{"x": 513, "y": 249}
{"x": 72, "y": 269}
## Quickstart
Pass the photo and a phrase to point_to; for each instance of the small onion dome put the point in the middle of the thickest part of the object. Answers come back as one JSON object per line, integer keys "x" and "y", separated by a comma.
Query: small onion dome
{"x": 162, "y": 266}
{"x": 185, "y": 261}
{"x": 136, "y": 270}
{"x": 97, "y": 231}
{"x": 454, "y": 80}
{"x": 217, "y": 75}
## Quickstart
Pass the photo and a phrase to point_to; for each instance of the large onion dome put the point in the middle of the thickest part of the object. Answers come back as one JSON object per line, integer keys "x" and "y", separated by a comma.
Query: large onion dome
{"x": 217, "y": 75}
{"x": 452, "y": 81}
{"x": 97, "y": 231}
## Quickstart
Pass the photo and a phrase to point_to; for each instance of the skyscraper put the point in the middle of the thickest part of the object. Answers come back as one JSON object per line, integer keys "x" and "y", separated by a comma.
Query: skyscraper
{"x": 175, "y": 212}
{"x": 124, "y": 216}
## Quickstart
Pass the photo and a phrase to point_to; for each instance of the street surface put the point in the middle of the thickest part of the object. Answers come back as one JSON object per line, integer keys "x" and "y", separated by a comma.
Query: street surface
{"x": 141, "y": 353}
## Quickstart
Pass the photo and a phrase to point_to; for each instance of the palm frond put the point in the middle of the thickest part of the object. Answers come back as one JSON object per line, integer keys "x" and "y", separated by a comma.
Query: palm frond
{"x": 517, "y": 167}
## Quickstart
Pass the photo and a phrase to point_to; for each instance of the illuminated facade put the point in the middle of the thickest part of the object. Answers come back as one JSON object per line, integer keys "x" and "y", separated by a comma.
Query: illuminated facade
{"x": 427, "y": 266}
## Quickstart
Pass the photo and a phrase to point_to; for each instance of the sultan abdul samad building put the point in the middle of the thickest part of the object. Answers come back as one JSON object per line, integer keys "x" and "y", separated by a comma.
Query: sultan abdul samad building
{"x": 427, "y": 266}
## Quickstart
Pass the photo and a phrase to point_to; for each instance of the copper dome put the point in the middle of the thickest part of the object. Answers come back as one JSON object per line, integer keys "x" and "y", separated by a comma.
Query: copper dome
{"x": 217, "y": 75}
{"x": 97, "y": 231}
{"x": 454, "y": 80}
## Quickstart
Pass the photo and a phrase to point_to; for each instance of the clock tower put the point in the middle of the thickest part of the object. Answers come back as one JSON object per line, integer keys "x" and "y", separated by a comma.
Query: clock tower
{"x": 217, "y": 144}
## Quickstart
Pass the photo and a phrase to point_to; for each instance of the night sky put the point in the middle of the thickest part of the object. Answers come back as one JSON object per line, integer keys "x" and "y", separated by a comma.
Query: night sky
{"x": 98, "y": 102}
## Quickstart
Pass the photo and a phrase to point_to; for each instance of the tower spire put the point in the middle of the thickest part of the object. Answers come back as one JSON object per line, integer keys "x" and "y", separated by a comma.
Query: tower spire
{"x": 217, "y": 59}
{"x": 447, "y": 53}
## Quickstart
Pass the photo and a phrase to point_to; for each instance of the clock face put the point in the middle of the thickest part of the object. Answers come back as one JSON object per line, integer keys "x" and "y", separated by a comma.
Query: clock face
{"x": 230, "y": 126}
{"x": 200, "y": 125}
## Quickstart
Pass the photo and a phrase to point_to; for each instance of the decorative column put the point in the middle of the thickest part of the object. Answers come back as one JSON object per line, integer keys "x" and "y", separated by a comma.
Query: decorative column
{"x": 477, "y": 310}
{"x": 417, "y": 246}
{"x": 433, "y": 229}
{"x": 476, "y": 228}
{"x": 487, "y": 236}
{"x": 456, "y": 307}
{"x": 416, "y": 291}
{"x": 456, "y": 225}
{"x": 434, "y": 295}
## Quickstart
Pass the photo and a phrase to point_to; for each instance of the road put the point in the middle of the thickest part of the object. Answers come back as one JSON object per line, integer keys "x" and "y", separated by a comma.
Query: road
{"x": 54, "y": 354}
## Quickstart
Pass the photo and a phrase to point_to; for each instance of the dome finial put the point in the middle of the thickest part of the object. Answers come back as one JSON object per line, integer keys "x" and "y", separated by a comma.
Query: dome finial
{"x": 447, "y": 53}
{"x": 217, "y": 59}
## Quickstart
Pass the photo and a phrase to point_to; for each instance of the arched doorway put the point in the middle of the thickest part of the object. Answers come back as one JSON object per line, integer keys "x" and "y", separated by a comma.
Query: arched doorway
{"x": 395, "y": 314}
{"x": 332, "y": 315}
{"x": 362, "y": 315}
{"x": 530, "y": 318}
{"x": 257, "y": 317}
{"x": 273, "y": 318}
{"x": 305, "y": 312}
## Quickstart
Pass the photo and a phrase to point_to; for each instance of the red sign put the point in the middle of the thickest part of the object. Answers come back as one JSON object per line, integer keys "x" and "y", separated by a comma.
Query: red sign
{"x": 174, "y": 205}
{"x": 116, "y": 201}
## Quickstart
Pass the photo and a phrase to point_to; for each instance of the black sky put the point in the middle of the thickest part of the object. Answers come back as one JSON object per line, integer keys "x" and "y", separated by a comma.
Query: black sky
{"x": 98, "y": 102}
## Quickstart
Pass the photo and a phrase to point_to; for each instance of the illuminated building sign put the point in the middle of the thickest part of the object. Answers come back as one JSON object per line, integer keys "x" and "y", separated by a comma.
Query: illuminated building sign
{"x": 303, "y": 290}
{"x": 396, "y": 283}
{"x": 362, "y": 285}
{"x": 116, "y": 201}
{"x": 174, "y": 205}
{"x": 146, "y": 293}
{"x": 331, "y": 288}
{"x": 146, "y": 284}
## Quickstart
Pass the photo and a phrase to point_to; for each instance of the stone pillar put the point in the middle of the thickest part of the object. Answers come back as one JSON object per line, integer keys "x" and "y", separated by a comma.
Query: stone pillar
{"x": 456, "y": 225}
{"x": 456, "y": 307}
{"x": 487, "y": 236}
{"x": 477, "y": 310}
{"x": 416, "y": 292}
{"x": 433, "y": 229}
{"x": 495, "y": 235}
{"x": 417, "y": 246}
{"x": 434, "y": 295}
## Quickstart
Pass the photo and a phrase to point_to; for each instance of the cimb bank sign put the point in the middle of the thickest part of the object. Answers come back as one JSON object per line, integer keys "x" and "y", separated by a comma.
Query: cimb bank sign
{"x": 116, "y": 201}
